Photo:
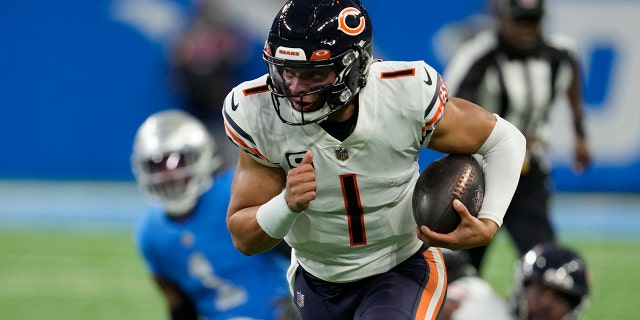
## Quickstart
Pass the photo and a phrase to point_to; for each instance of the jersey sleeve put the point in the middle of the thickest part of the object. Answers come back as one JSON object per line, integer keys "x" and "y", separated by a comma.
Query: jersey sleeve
{"x": 241, "y": 114}
{"x": 435, "y": 102}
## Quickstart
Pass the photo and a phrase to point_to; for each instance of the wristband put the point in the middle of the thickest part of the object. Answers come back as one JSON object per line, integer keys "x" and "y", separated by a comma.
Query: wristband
{"x": 275, "y": 217}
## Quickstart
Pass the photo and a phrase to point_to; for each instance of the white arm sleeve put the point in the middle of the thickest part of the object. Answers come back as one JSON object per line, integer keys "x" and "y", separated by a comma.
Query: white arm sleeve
{"x": 502, "y": 154}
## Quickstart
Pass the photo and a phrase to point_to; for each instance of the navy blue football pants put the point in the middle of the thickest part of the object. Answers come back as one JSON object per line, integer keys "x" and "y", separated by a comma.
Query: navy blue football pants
{"x": 415, "y": 289}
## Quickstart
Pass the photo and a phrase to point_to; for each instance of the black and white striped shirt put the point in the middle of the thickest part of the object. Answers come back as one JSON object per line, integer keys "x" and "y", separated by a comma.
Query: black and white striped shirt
{"x": 520, "y": 88}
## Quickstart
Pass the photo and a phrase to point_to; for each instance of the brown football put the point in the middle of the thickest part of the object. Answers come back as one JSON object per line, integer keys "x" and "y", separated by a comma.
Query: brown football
{"x": 448, "y": 178}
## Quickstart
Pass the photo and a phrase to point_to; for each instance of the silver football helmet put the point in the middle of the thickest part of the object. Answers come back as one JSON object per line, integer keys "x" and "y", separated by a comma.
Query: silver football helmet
{"x": 173, "y": 160}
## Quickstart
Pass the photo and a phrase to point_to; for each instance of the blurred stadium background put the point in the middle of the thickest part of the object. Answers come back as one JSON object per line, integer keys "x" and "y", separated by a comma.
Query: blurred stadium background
{"x": 78, "y": 77}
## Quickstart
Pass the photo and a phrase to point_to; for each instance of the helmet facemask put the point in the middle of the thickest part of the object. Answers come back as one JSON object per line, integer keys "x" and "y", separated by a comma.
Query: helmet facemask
{"x": 175, "y": 179}
{"x": 555, "y": 267}
{"x": 318, "y": 34}
{"x": 350, "y": 67}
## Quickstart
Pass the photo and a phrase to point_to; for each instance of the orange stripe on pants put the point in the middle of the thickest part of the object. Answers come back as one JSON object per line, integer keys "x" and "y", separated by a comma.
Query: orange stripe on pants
{"x": 435, "y": 289}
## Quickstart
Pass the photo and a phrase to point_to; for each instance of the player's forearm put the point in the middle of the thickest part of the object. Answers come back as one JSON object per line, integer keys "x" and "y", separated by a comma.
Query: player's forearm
{"x": 247, "y": 235}
{"x": 574, "y": 94}
{"x": 490, "y": 228}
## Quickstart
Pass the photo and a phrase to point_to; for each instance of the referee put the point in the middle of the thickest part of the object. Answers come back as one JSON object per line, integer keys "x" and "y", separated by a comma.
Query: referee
{"x": 517, "y": 72}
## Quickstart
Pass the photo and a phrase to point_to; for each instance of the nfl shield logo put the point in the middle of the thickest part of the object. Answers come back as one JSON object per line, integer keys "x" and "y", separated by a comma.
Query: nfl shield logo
{"x": 342, "y": 153}
{"x": 300, "y": 299}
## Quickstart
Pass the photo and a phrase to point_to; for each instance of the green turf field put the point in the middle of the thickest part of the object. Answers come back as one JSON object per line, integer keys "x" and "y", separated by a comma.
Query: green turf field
{"x": 71, "y": 275}
{"x": 79, "y": 275}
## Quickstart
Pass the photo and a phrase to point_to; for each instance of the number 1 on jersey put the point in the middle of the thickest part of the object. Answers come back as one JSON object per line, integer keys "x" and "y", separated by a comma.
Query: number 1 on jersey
{"x": 355, "y": 213}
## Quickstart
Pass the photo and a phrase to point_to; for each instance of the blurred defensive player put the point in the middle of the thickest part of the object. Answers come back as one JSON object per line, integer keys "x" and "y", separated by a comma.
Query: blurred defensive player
{"x": 552, "y": 283}
{"x": 184, "y": 240}
{"x": 470, "y": 297}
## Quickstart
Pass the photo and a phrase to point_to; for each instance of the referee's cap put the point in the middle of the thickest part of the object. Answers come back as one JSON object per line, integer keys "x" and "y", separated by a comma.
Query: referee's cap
{"x": 520, "y": 9}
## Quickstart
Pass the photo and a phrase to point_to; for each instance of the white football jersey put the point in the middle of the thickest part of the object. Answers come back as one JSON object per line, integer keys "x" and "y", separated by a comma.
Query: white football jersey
{"x": 361, "y": 222}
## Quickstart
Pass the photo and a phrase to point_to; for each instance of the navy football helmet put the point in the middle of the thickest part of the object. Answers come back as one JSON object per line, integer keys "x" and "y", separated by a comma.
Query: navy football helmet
{"x": 318, "y": 34}
{"x": 556, "y": 267}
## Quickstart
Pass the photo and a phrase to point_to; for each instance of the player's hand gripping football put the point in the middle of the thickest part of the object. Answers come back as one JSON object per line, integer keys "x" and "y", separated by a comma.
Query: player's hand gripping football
{"x": 301, "y": 184}
{"x": 471, "y": 232}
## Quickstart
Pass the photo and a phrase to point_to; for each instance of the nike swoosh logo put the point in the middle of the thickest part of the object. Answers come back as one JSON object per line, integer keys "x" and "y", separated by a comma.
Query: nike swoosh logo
{"x": 234, "y": 105}
{"x": 428, "y": 81}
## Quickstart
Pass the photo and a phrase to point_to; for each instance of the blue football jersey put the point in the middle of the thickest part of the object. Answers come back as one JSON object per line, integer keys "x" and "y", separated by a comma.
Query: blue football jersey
{"x": 197, "y": 254}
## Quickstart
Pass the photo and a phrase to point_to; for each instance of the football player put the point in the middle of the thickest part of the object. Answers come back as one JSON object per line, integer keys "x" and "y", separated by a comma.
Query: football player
{"x": 329, "y": 141}
{"x": 184, "y": 239}
{"x": 469, "y": 296}
{"x": 552, "y": 283}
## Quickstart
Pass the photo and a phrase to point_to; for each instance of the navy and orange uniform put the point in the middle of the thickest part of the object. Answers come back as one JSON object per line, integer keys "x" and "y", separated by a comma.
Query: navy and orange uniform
{"x": 360, "y": 233}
